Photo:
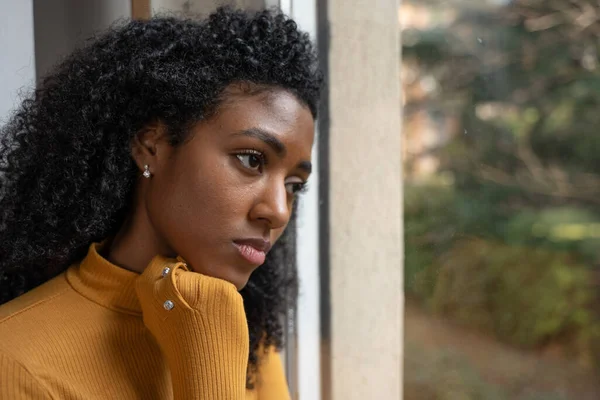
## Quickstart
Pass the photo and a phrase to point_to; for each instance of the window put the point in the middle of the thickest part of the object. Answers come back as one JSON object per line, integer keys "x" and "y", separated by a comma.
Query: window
{"x": 502, "y": 199}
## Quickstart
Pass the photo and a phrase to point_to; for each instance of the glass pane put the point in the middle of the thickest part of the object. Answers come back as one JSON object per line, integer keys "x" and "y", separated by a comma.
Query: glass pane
{"x": 502, "y": 198}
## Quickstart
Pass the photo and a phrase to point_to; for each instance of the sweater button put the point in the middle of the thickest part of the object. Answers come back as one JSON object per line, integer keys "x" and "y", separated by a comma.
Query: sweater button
{"x": 165, "y": 271}
{"x": 168, "y": 305}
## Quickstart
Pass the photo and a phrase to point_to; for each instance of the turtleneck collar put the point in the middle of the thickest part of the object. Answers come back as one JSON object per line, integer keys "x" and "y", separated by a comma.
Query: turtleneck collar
{"x": 106, "y": 283}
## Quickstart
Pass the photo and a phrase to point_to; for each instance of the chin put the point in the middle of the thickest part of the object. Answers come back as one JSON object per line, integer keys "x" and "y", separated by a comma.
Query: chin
{"x": 241, "y": 285}
{"x": 238, "y": 283}
{"x": 238, "y": 278}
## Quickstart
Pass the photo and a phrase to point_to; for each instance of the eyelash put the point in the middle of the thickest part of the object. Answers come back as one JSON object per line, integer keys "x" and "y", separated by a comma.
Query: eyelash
{"x": 251, "y": 152}
{"x": 301, "y": 187}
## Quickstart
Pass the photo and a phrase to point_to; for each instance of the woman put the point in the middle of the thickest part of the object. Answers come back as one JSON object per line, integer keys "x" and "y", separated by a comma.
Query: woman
{"x": 142, "y": 185}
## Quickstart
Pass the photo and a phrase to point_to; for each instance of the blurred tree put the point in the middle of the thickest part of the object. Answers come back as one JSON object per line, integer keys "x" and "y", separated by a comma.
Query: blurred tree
{"x": 516, "y": 86}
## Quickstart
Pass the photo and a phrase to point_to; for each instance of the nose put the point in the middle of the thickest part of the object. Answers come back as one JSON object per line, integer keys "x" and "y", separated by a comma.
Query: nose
{"x": 273, "y": 206}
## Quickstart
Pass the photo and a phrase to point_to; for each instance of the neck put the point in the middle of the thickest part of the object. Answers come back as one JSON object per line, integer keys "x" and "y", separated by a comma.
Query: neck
{"x": 136, "y": 243}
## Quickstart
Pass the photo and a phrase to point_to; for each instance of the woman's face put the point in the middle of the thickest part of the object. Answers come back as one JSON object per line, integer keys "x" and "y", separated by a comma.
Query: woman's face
{"x": 224, "y": 197}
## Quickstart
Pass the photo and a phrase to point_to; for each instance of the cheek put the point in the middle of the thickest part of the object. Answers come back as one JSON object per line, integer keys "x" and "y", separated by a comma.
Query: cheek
{"x": 197, "y": 206}
{"x": 276, "y": 234}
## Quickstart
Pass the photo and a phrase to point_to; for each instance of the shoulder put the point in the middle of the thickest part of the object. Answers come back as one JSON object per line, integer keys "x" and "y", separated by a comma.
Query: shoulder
{"x": 30, "y": 320}
{"x": 34, "y": 302}
{"x": 18, "y": 382}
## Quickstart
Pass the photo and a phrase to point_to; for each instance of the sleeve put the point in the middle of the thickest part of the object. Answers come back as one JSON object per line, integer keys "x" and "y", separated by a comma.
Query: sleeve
{"x": 200, "y": 325}
{"x": 18, "y": 383}
{"x": 272, "y": 384}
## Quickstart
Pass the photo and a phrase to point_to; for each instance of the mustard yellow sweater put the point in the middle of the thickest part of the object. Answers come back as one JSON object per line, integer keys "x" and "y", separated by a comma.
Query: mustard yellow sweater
{"x": 99, "y": 331}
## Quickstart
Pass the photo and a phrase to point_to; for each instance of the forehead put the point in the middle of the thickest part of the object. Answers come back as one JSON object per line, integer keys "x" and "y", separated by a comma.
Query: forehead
{"x": 276, "y": 111}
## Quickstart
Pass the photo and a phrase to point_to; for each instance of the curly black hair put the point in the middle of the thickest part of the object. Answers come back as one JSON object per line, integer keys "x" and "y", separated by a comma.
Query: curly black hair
{"x": 67, "y": 175}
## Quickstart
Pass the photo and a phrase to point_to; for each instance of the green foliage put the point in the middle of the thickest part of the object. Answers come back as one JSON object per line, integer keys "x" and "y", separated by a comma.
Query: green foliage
{"x": 430, "y": 226}
{"x": 516, "y": 277}
{"x": 506, "y": 235}
{"x": 563, "y": 228}
{"x": 526, "y": 296}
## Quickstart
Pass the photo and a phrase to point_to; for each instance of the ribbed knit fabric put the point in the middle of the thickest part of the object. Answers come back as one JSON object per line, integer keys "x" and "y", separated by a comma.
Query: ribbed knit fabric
{"x": 98, "y": 331}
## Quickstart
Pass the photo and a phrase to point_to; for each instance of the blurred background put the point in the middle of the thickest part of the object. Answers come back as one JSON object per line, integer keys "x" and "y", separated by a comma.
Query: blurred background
{"x": 502, "y": 198}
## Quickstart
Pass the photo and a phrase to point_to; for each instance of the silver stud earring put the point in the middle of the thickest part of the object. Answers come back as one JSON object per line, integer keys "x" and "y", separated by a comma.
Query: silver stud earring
{"x": 147, "y": 173}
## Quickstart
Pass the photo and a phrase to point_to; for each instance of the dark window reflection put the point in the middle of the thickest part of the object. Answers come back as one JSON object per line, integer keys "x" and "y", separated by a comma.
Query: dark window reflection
{"x": 502, "y": 199}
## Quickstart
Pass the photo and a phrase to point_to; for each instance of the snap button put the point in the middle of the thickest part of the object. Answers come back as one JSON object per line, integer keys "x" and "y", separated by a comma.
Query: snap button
{"x": 168, "y": 305}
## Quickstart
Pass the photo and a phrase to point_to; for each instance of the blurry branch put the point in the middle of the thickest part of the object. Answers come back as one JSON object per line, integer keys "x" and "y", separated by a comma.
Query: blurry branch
{"x": 544, "y": 22}
{"x": 576, "y": 16}
{"x": 549, "y": 181}
{"x": 569, "y": 26}
{"x": 528, "y": 157}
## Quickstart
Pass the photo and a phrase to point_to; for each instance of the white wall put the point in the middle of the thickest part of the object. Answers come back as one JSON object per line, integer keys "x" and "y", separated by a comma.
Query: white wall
{"x": 17, "y": 61}
{"x": 62, "y": 25}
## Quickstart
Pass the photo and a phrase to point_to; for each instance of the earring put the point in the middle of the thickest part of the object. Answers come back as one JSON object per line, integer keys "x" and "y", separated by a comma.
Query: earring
{"x": 147, "y": 173}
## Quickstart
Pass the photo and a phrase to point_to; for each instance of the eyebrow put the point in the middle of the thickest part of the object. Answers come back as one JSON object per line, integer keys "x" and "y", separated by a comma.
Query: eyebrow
{"x": 306, "y": 166}
{"x": 275, "y": 144}
{"x": 266, "y": 137}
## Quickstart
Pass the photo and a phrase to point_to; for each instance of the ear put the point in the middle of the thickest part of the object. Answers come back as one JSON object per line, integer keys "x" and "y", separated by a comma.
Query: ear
{"x": 150, "y": 145}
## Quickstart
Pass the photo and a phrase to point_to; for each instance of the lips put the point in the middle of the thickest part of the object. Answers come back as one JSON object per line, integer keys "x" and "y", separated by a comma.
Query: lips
{"x": 253, "y": 250}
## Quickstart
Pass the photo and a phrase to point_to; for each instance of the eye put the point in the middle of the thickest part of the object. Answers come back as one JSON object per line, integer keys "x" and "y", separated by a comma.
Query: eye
{"x": 296, "y": 187}
{"x": 252, "y": 159}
